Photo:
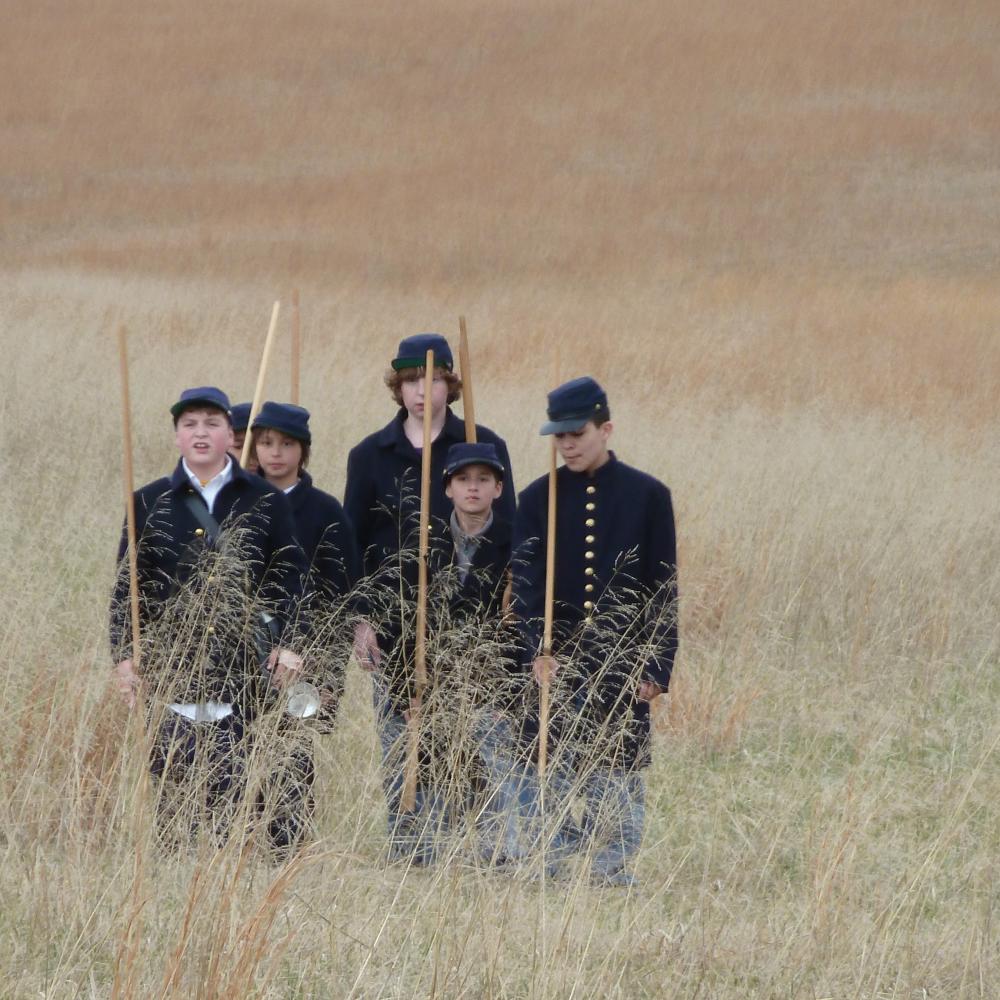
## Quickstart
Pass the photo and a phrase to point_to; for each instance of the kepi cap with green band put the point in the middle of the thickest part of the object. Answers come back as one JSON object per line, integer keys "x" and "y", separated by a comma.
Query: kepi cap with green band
{"x": 412, "y": 352}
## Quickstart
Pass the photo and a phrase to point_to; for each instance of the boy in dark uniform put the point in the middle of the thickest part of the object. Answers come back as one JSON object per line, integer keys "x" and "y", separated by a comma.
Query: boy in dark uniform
{"x": 382, "y": 500}
{"x": 280, "y": 449}
{"x": 216, "y": 560}
{"x": 470, "y": 561}
{"x": 240, "y": 417}
{"x": 282, "y": 444}
{"x": 615, "y": 624}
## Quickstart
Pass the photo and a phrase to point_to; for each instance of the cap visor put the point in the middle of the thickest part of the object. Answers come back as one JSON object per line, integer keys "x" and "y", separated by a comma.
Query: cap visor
{"x": 563, "y": 426}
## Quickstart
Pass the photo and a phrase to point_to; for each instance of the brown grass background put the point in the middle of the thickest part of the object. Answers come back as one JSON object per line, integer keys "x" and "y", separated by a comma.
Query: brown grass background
{"x": 770, "y": 228}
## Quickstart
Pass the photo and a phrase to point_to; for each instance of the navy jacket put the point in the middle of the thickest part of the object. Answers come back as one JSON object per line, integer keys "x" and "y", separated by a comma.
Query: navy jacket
{"x": 326, "y": 537}
{"x": 200, "y": 603}
{"x": 463, "y": 616}
{"x": 382, "y": 499}
{"x": 615, "y": 601}
{"x": 382, "y": 495}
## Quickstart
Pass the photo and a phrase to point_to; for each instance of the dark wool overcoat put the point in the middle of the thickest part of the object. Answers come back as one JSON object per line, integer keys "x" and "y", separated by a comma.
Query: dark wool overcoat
{"x": 382, "y": 501}
{"x": 615, "y": 603}
{"x": 327, "y": 538}
{"x": 465, "y": 629}
{"x": 201, "y": 603}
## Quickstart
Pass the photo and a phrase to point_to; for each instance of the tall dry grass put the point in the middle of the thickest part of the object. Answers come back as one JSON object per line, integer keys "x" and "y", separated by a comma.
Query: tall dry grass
{"x": 769, "y": 230}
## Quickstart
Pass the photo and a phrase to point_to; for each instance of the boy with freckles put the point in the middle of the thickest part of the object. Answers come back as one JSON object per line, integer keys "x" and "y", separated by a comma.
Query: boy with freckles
{"x": 216, "y": 557}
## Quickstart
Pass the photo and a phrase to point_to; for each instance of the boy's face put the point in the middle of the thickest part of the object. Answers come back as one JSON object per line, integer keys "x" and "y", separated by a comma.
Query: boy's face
{"x": 585, "y": 450}
{"x": 203, "y": 436}
{"x": 237, "y": 449}
{"x": 473, "y": 489}
{"x": 412, "y": 392}
{"x": 279, "y": 455}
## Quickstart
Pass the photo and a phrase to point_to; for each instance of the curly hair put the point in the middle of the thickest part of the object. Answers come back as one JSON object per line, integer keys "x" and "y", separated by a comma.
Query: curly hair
{"x": 395, "y": 379}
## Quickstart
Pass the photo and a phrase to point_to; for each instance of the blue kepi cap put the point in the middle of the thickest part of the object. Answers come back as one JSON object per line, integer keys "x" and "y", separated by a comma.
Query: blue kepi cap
{"x": 461, "y": 455}
{"x": 285, "y": 417}
{"x": 240, "y": 416}
{"x": 203, "y": 395}
{"x": 572, "y": 404}
{"x": 412, "y": 352}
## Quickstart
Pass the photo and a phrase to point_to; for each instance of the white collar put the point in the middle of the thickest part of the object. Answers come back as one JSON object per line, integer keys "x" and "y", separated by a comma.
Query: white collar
{"x": 216, "y": 482}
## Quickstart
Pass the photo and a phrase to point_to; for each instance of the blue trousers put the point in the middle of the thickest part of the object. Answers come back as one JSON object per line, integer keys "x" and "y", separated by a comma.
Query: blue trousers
{"x": 497, "y": 812}
{"x": 419, "y": 835}
{"x": 611, "y": 822}
{"x": 415, "y": 836}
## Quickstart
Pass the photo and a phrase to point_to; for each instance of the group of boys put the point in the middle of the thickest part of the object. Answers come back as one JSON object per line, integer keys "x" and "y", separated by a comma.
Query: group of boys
{"x": 237, "y": 572}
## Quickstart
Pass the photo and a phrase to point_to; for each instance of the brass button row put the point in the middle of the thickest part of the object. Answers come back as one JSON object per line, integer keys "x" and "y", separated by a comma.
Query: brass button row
{"x": 590, "y": 522}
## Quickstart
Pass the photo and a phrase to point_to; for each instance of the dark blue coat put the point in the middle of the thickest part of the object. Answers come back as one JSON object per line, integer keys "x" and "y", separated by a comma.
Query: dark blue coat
{"x": 382, "y": 499}
{"x": 382, "y": 495}
{"x": 200, "y": 603}
{"x": 326, "y": 537}
{"x": 462, "y": 615}
{"x": 615, "y": 601}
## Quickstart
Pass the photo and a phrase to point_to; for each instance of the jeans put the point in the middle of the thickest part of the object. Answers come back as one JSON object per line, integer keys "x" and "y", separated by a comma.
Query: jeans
{"x": 498, "y": 812}
{"x": 610, "y": 826}
{"x": 416, "y": 835}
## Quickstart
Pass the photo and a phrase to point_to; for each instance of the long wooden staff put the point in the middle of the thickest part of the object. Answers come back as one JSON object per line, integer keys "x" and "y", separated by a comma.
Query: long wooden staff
{"x": 296, "y": 345}
{"x": 420, "y": 649}
{"x": 259, "y": 391}
{"x": 128, "y": 485}
{"x": 550, "y": 587}
{"x": 126, "y": 960}
{"x": 468, "y": 403}
{"x": 550, "y": 584}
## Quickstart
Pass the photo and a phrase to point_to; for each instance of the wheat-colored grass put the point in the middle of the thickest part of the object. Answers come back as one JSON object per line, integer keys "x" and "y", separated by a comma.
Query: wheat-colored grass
{"x": 769, "y": 228}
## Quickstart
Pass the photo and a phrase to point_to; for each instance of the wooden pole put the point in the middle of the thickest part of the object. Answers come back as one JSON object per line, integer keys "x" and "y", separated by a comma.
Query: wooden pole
{"x": 126, "y": 961}
{"x": 550, "y": 586}
{"x": 420, "y": 648}
{"x": 128, "y": 485}
{"x": 296, "y": 346}
{"x": 468, "y": 403}
{"x": 259, "y": 391}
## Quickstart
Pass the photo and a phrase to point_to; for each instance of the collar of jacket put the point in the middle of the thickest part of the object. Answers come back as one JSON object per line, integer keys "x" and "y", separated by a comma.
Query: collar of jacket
{"x": 604, "y": 473}
{"x": 498, "y": 533}
{"x": 179, "y": 480}
{"x": 393, "y": 435}
{"x": 298, "y": 495}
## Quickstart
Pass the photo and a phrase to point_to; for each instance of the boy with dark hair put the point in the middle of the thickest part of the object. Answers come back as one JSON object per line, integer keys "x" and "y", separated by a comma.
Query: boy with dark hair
{"x": 216, "y": 558}
{"x": 614, "y": 630}
{"x": 281, "y": 448}
{"x": 382, "y": 500}
{"x": 281, "y": 443}
{"x": 239, "y": 416}
{"x": 476, "y": 552}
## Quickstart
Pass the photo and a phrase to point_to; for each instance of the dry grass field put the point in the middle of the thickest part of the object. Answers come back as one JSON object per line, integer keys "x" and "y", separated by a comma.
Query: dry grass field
{"x": 771, "y": 229}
